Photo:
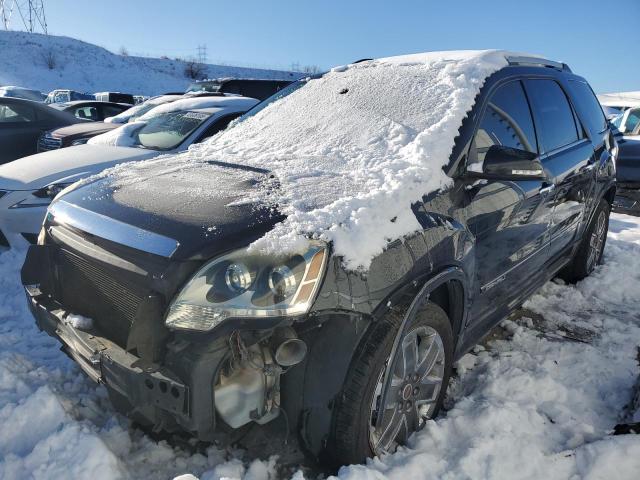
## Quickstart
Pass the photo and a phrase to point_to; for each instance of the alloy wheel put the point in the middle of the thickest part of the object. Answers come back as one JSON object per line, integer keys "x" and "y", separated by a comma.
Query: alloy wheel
{"x": 413, "y": 394}
{"x": 596, "y": 241}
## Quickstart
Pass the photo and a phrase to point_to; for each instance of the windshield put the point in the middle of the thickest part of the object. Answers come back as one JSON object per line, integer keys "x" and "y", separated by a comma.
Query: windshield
{"x": 204, "y": 87}
{"x": 168, "y": 130}
{"x": 632, "y": 121}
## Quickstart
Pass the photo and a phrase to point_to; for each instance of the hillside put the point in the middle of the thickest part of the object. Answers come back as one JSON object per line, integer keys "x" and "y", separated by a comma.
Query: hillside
{"x": 88, "y": 68}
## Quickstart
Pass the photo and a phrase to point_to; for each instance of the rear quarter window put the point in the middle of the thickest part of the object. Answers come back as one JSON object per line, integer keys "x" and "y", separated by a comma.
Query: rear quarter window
{"x": 588, "y": 105}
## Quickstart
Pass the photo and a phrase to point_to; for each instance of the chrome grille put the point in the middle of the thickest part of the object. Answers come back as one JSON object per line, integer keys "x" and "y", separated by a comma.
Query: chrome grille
{"x": 48, "y": 142}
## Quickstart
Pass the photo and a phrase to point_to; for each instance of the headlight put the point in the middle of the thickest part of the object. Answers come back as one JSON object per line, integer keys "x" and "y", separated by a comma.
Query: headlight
{"x": 242, "y": 284}
{"x": 79, "y": 141}
{"x": 42, "y": 197}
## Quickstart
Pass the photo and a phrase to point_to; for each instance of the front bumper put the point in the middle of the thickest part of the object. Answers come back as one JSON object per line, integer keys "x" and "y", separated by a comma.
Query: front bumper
{"x": 627, "y": 199}
{"x": 175, "y": 396}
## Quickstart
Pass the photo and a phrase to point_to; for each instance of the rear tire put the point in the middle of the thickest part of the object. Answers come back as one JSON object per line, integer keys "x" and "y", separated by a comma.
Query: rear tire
{"x": 350, "y": 440}
{"x": 589, "y": 253}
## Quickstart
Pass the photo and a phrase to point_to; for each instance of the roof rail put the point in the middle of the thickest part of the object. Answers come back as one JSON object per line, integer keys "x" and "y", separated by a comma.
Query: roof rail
{"x": 522, "y": 60}
{"x": 362, "y": 60}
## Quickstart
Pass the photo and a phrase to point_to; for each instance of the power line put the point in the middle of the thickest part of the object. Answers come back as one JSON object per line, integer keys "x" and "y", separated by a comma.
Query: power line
{"x": 29, "y": 13}
{"x": 202, "y": 53}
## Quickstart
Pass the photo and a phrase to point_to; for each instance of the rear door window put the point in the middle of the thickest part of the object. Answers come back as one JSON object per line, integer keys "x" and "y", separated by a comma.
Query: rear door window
{"x": 506, "y": 122}
{"x": 17, "y": 114}
{"x": 87, "y": 113}
{"x": 554, "y": 118}
{"x": 594, "y": 116}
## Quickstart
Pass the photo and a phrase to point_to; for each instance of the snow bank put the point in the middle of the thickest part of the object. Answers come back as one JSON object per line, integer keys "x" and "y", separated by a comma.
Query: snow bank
{"x": 355, "y": 148}
{"x": 529, "y": 405}
{"x": 88, "y": 68}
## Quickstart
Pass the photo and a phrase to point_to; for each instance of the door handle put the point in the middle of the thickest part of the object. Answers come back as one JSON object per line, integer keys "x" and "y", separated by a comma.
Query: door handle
{"x": 548, "y": 188}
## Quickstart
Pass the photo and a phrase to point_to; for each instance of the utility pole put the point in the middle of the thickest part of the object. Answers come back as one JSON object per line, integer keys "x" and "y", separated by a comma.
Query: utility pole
{"x": 202, "y": 53}
{"x": 29, "y": 13}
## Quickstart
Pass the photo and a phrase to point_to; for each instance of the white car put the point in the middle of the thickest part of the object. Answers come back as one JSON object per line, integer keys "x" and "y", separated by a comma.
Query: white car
{"x": 28, "y": 185}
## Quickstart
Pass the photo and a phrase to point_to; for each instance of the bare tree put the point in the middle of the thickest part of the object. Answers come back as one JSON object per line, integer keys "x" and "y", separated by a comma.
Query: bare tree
{"x": 50, "y": 59}
{"x": 311, "y": 69}
{"x": 194, "y": 70}
{"x": 124, "y": 52}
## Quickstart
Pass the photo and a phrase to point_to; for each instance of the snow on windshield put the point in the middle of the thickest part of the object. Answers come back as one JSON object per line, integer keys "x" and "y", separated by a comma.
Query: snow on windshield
{"x": 353, "y": 149}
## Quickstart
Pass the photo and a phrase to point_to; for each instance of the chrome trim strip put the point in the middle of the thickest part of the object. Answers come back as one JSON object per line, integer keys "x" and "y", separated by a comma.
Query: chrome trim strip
{"x": 111, "y": 229}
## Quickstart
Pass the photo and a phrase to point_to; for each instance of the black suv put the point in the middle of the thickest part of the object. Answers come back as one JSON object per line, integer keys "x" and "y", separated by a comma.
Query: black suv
{"x": 190, "y": 331}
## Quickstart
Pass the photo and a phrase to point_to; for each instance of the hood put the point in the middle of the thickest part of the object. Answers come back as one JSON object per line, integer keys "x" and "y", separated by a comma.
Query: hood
{"x": 628, "y": 163}
{"x": 65, "y": 165}
{"x": 200, "y": 219}
{"x": 84, "y": 128}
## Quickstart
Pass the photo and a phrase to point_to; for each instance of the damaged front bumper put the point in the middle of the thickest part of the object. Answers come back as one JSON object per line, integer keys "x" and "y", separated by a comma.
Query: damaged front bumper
{"x": 175, "y": 396}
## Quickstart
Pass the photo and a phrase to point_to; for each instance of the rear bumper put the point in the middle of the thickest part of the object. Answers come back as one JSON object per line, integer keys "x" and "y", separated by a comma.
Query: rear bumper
{"x": 627, "y": 199}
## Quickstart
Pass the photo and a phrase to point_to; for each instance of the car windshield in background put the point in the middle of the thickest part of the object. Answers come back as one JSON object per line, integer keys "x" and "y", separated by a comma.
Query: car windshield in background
{"x": 212, "y": 87}
{"x": 168, "y": 130}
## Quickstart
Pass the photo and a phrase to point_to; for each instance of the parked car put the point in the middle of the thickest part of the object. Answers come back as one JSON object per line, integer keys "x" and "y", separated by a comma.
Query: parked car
{"x": 77, "y": 134}
{"x": 92, "y": 110}
{"x": 628, "y": 164}
{"x": 191, "y": 331}
{"x": 22, "y": 122}
{"x": 81, "y": 133}
{"x": 254, "y": 88}
{"x": 63, "y": 96}
{"x": 20, "y": 92}
{"x": 28, "y": 185}
{"x": 115, "y": 97}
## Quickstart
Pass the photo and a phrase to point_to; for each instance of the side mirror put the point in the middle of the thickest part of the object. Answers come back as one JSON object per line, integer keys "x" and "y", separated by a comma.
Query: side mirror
{"x": 506, "y": 163}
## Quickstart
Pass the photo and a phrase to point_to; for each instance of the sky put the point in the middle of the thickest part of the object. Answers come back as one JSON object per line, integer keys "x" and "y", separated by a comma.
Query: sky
{"x": 597, "y": 42}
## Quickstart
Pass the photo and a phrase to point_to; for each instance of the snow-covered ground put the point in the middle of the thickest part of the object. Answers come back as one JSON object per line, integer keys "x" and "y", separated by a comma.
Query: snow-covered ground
{"x": 539, "y": 400}
{"x": 81, "y": 66}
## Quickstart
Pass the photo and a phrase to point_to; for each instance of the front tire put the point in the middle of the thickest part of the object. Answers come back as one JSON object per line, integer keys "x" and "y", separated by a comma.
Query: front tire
{"x": 589, "y": 253}
{"x": 418, "y": 386}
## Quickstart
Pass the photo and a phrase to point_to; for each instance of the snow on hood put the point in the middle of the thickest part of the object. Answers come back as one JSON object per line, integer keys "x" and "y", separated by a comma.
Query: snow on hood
{"x": 354, "y": 148}
{"x": 64, "y": 165}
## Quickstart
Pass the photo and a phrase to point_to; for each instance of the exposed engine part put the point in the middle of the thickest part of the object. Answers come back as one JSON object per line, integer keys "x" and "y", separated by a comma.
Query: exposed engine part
{"x": 249, "y": 387}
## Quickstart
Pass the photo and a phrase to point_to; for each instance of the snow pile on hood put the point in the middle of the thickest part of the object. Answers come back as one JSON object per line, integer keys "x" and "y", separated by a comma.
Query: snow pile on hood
{"x": 118, "y": 137}
{"x": 355, "y": 148}
{"x": 141, "y": 109}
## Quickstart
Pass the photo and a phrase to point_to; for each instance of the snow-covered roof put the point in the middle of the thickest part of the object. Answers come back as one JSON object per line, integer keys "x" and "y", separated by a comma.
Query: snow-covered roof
{"x": 352, "y": 149}
{"x": 620, "y": 99}
{"x": 230, "y": 102}
{"x": 137, "y": 109}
